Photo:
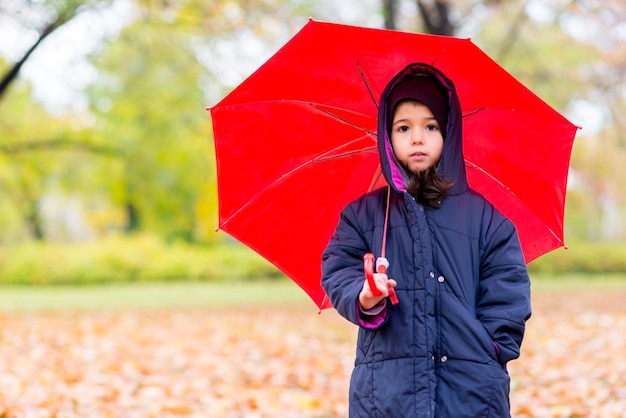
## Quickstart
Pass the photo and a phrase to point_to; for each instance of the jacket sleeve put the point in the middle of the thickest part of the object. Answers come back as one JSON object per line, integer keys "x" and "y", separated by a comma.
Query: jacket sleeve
{"x": 503, "y": 304}
{"x": 342, "y": 271}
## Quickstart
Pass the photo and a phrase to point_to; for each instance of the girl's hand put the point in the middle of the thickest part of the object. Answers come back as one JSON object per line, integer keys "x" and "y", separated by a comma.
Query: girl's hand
{"x": 383, "y": 283}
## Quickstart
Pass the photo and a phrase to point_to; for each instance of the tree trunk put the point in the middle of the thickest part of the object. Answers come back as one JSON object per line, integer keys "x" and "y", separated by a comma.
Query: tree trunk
{"x": 389, "y": 12}
{"x": 436, "y": 17}
{"x": 33, "y": 221}
{"x": 132, "y": 218}
{"x": 13, "y": 72}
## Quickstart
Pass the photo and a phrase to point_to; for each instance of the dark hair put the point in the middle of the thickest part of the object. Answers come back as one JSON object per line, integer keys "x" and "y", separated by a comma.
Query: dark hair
{"x": 428, "y": 187}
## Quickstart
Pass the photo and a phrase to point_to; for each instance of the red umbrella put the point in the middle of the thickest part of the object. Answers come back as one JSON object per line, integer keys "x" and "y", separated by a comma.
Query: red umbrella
{"x": 296, "y": 141}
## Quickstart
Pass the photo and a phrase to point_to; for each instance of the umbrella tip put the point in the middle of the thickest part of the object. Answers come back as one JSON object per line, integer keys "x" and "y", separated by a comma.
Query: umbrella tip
{"x": 565, "y": 246}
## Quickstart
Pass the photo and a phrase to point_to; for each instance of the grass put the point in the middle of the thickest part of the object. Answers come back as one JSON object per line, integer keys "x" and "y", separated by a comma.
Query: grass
{"x": 152, "y": 295}
{"x": 578, "y": 281}
{"x": 281, "y": 292}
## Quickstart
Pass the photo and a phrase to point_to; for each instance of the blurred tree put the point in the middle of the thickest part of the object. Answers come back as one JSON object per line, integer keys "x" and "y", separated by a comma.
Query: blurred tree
{"x": 149, "y": 105}
{"x": 39, "y": 152}
{"x": 27, "y": 131}
{"x": 44, "y": 17}
{"x": 599, "y": 158}
{"x": 538, "y": 52}
{"x": 390, "y": 8}
{"x": 150, "y": 97}
{"x": 436, "y": 16}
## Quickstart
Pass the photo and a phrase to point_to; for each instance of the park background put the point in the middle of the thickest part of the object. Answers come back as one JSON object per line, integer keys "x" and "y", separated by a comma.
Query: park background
{"x": 109, "y": 205}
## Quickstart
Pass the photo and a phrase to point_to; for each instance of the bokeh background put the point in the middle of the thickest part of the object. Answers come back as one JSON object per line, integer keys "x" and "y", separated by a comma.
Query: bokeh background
{"x": 109, "y": 204}
{"x": 104, "y": 133}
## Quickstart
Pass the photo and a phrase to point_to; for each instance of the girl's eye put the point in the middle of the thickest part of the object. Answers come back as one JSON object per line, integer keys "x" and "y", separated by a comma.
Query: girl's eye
{"x": 432, "y": 127}
{"x": 403, "y": 128}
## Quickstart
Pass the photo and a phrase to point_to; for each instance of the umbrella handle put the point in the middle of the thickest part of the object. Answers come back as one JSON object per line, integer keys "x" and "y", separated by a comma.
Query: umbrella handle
{"x": 381, "y": 267}
{"x": 368, "y": 267}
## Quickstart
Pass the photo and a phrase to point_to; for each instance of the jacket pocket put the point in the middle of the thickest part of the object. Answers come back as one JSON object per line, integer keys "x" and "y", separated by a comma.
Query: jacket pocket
{"x": 463, "y": 336}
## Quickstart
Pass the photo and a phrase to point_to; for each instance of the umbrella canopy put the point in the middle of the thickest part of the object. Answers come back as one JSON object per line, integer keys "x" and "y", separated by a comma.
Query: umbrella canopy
{"x": 296, "y": 141}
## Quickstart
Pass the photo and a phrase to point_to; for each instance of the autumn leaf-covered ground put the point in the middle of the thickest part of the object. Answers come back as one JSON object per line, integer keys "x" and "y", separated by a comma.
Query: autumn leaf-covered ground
{"x": 278, "y": 360}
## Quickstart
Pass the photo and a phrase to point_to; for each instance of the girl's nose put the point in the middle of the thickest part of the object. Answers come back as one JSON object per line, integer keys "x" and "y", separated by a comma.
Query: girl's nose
{"x": 418, "y": 137}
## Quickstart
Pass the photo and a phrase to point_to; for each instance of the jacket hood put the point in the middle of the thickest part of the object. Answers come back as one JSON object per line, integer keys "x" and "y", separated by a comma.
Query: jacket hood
{"x": 452, "y": 164}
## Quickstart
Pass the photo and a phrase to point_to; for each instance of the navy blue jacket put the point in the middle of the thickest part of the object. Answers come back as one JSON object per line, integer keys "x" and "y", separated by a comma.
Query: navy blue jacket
{"x": 463, "y": 288}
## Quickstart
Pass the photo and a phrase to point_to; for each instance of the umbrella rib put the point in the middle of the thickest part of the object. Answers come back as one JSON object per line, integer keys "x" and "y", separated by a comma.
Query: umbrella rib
{"x": 358, "y": 65}
{"x": 482, "y": 109}
{"x": 485, "y": 108}
{"x": 343, "y": 154}
{"x": 470, "y": 113}
{"x": 475, "y": 166}
{"x": 375, "y": 180}
{"x": 470, "y": 164}
{"x": 322, "y": 157}
{"x": 332, "y": 115}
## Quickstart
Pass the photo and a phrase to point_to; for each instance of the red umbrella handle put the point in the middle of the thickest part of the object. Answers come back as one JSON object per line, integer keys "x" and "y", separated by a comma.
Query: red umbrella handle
{"x": 368, "y": 266}
{"x": 381, "y": 267}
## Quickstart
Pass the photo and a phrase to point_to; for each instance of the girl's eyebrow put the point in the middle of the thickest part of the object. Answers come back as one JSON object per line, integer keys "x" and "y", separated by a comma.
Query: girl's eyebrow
{"x": 405, "y": 120}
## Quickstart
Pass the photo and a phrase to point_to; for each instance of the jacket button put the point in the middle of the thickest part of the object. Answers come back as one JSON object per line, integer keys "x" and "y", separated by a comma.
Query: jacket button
{"x": 444, "y": 359}
{"x": 432, "y": 275}
{"x": 441, "y": 279}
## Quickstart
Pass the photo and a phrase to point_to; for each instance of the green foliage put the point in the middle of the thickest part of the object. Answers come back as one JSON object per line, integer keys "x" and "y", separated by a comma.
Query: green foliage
{"x": 128, "y": 259}
{"x": 143, "y": 259}
{"x": 149, "y": 105}
{"x": 582, "y": 257}
{"x": 24, "y": 164}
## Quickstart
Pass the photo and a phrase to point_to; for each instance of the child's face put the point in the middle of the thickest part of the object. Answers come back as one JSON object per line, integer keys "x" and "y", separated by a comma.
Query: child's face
{"x": 416, "y": 136}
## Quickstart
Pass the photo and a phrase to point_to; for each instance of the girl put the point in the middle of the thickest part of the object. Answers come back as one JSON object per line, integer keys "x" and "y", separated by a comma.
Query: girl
{"x": 456, "y": 267}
